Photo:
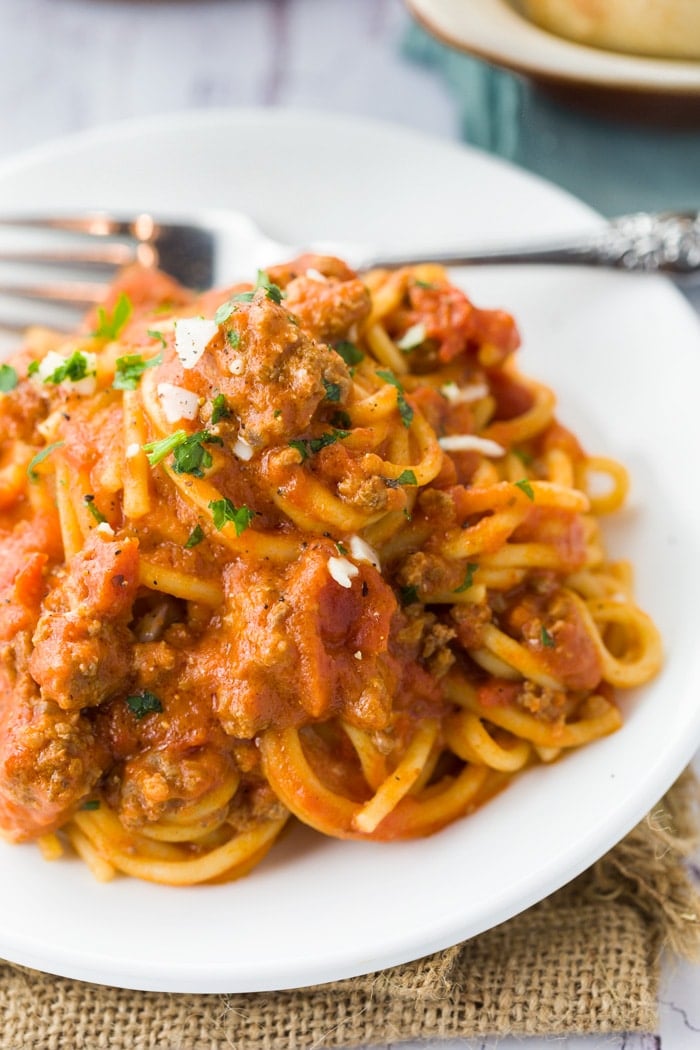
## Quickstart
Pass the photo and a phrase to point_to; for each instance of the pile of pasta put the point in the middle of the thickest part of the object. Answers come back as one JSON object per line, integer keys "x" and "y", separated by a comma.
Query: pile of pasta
{"x": 311, "y": 546}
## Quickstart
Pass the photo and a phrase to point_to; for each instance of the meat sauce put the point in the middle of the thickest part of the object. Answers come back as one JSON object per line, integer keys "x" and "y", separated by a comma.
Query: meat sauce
{"x": 83, "y": 643}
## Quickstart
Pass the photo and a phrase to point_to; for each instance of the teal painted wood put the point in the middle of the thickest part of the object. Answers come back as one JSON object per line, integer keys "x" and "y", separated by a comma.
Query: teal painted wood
{"x": 614, "y": 165}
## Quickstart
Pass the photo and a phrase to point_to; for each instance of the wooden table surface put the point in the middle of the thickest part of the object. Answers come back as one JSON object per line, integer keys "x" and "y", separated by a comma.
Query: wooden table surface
{"x": 68, "y": 65}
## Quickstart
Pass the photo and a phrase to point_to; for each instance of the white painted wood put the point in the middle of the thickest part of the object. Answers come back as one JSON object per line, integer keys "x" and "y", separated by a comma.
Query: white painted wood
{"x": 66, "y": 65}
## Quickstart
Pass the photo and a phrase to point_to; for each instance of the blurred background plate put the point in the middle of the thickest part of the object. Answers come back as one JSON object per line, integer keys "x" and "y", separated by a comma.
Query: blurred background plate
{"x": 620, "y": 132}
{"x": 645, "y": 89}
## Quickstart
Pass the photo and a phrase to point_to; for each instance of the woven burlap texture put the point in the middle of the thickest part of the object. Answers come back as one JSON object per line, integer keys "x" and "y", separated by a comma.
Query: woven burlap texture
{"x": 584, "y": 960}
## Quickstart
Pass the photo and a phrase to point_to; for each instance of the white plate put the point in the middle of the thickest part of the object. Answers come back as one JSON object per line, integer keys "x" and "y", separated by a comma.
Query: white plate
{"x": 623, "y": 353}
{"x": 498, "y": 32}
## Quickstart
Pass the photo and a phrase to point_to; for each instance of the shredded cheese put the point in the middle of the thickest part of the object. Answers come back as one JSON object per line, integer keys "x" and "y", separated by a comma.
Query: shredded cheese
{"x": 362, "y": 551}
{"x": 177, "y": 403}
{"x": 53, "y": 361}
{"x": 242, "y": 449}
{"x": 471, "y": 443}
{"x": 50, "y": 363}
{"x": 460, "y": 394}
{"x": 342, "y": 571}
{"x": 192, "y": 335}
{"x": 315, "y": 275}
{"x": 413, "y": 337}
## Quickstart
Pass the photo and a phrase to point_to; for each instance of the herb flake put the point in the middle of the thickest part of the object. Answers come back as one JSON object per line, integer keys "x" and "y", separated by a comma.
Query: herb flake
{"x": 195, "y": 537}
{"x": 32, "y": 472}
{"x": 333, "y": 390}
{"x": 191, "y": 457}
{"x": 525, "y": 486}
{"x": 307, "y": 447}
{"x": 155, "y": 334}
{"x": 220, "y": 409}
{"x": 8, "y": 379}
{"x": 144, "y": 703}
{"x": 408, "y": 595}
{"x": 74, "y": 368}
{"x": 224, "y": 512}
{"x": 129, "y": 369}
{"x": 273, "y": 291}
{"x": 94, "y": 509}
{"x": 406, "y": 477}
{"x": 110, "y": 325}
{"x": 405, "y": 410}
{"x": 468, "y": 578}
{"x": 350, "y": 353}
{"x": 158, "y": 450}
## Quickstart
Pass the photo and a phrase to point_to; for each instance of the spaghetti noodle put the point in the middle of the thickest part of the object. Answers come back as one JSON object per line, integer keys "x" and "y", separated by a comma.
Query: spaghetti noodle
{"x": 313, "y": 547}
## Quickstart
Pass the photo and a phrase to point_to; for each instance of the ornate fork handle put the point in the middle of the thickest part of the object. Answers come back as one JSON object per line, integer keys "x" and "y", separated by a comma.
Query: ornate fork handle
{"x": 665, "y": 243}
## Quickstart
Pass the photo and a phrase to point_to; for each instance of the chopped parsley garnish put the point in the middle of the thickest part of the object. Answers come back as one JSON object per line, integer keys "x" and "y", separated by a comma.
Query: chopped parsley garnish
{"x": 350, "y": 354}
{"x": 39, "y": 458}
{"x": 129, "y": 370}
{"x": 233, "y": 338}
{"x": 32, "y": 368}
{"x": 547, "y": 639}
{"x": 189, "y": 454}
{"x": 405, "y": 410}
{"x": 220, "y": 409}
{"x": 342, "y": 549}
{"x": 273, "y": 291}
{"x": 90, "y": 804}
{"x": 427, "y": 285}
{"x": 332, "y": 390}
{"x": 468, "y": 579}
{"x": 155, "y": 334}
{"x": 223, "y": 512}
{"x": 341, "y": 420}
{"x": 409, "y": 595}
{"x": 225, "y": 311}
{"x": 73, "y": 368}
{"x": 525, "y": 486}
{"x": 406, "y": 477}
{"x": 158, "y": 450}
{"x": 525, "y": 457}
{"x": 310, "y": 446}
{"x": 8, "y": 379}
{"x": 191, "y": 457}
{"x": 94, "y": 509}
{"x": 109, "y": 326}
{"x": 195, "y": 537}
{"x": 142, "y": 704}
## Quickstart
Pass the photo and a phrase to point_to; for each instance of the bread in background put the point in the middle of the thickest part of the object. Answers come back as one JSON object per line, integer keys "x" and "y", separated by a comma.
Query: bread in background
{"x": 660, "y": 28}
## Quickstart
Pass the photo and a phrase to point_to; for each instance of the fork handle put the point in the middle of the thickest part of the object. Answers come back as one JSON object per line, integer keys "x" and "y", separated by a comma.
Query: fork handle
{"x": 668, "y": 244}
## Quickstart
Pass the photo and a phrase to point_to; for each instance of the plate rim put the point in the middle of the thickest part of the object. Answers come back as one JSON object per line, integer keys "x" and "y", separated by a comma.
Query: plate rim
{"x": 440, "y": 938}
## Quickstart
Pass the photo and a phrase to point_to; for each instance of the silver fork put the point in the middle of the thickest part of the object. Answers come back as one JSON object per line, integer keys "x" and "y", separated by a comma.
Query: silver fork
{"x": 214, "y": 247}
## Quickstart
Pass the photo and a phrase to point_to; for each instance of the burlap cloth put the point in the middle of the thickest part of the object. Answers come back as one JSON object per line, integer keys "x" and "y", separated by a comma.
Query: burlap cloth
{"x": 584, "y": 960}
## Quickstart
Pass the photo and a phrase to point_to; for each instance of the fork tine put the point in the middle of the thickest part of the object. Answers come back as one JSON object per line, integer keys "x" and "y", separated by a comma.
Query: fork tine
{"x": 110, "y": 256}
{"x": 94, "y": 224}
{"x": 71, "y": 293}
